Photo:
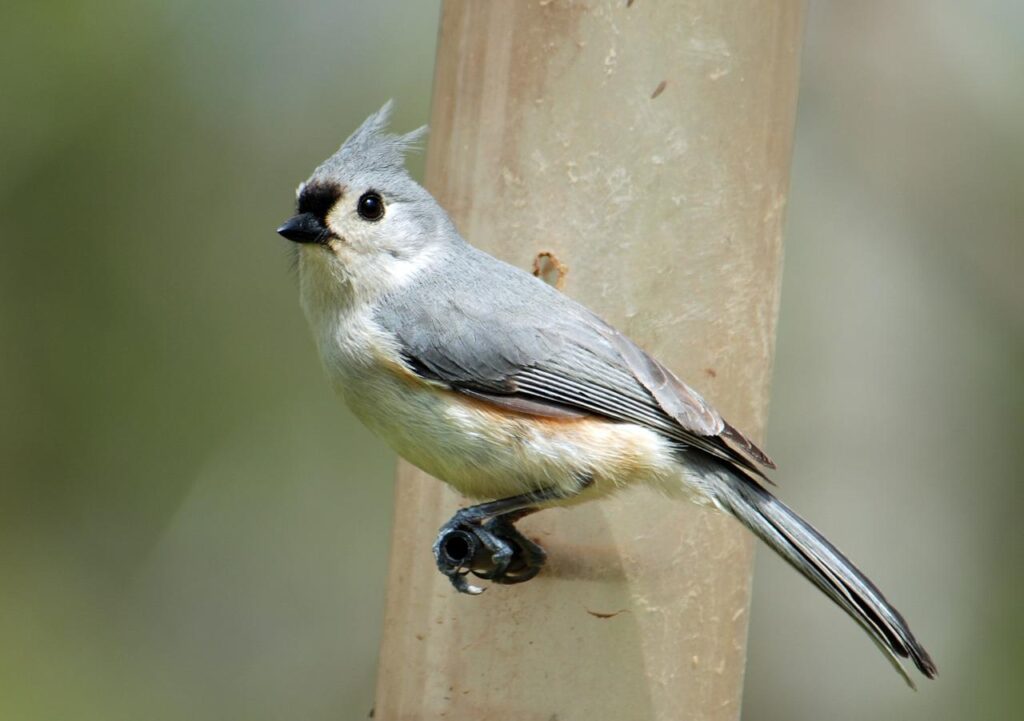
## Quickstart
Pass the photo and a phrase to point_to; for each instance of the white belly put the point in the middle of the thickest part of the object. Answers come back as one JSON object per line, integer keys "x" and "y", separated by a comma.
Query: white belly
{"x": 485, "y": 452}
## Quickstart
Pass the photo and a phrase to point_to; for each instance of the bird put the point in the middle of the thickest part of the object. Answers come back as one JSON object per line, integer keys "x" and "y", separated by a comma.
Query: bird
{"x": 513, "y": 393}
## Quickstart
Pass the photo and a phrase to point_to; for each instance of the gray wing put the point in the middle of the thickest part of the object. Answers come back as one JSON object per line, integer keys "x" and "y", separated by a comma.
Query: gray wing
{"x": 491, "y": 331}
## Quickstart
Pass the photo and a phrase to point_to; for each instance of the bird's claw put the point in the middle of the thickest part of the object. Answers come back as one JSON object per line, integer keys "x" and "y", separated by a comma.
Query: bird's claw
{"x": 492, "y": 549}
{"x": 527, "y": 557}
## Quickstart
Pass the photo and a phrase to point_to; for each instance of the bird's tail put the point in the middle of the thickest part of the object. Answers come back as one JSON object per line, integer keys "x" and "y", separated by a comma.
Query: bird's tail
{"x": 823, "y": 565}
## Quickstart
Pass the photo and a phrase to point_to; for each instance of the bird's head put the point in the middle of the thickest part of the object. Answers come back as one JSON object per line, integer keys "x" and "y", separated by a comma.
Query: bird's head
{"x": 361, "y": 220}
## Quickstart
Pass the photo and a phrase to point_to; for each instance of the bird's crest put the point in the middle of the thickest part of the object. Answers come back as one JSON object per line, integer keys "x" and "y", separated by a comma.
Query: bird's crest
{"x": 372, "y": 147}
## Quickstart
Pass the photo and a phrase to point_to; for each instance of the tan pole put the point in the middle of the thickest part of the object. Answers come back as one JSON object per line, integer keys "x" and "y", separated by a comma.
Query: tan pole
{"x": 646, "y": 145}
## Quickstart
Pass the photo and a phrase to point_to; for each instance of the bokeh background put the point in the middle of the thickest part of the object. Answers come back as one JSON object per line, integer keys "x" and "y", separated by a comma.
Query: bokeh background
{"x": 192, "y": 528}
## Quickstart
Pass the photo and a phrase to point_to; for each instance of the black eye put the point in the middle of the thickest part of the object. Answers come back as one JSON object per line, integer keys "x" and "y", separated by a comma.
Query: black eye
{"x": 371, "y": 206}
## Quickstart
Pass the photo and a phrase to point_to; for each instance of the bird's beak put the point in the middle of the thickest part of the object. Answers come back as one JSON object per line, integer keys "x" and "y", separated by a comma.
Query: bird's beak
{"x": 304, "y": 228}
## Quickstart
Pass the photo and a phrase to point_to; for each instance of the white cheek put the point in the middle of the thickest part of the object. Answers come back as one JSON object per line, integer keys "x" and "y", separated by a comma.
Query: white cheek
{"x": 379, "y": 256}
{"x": 402, "y": 270}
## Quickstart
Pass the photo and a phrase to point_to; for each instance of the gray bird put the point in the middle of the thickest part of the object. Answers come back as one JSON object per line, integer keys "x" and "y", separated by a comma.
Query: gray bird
{"x": 511, "y": 392}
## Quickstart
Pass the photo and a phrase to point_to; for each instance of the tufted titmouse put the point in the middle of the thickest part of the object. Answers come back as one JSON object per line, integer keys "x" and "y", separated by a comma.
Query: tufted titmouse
{"x": 496, "y": 383}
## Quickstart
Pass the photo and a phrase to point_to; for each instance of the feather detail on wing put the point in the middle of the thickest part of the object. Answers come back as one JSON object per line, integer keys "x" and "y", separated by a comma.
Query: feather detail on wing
{"x": 747, "y": 446}
{"x": 681, "y": 402}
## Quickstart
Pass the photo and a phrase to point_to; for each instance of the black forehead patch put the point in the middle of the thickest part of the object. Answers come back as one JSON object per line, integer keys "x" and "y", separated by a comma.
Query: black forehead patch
{"x": 319, "y": 198}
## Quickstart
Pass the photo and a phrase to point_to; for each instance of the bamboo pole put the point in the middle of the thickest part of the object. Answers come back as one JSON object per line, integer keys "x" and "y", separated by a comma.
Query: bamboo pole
{"x": 646, "y": 147}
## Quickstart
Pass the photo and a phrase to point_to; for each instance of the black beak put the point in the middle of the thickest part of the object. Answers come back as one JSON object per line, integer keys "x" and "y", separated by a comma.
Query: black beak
{"x": 304, "y": 228}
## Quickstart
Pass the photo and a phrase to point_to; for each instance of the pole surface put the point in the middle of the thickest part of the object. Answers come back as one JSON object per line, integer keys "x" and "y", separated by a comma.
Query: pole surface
{"x": 646, "y": 146}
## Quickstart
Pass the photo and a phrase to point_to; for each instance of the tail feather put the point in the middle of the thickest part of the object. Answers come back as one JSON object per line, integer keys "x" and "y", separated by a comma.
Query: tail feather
{"x": 821, "y": 563}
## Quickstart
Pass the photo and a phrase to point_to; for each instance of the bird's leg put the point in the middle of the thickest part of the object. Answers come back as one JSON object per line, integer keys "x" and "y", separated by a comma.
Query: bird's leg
{"x": 483, "y": 540}
{"x": 527, "y": 557}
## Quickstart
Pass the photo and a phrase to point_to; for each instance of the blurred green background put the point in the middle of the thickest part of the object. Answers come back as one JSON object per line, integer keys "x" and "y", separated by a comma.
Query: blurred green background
{"x": 192, "y": 528}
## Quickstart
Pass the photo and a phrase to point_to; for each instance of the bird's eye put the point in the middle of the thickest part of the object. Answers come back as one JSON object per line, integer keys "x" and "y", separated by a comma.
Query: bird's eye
{"x": 371, "y": 206}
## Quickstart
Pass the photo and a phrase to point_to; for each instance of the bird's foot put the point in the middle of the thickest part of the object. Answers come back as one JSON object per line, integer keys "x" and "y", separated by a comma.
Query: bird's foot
{"x": 490, "y": 548}
{"x": 527, "y": 557}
